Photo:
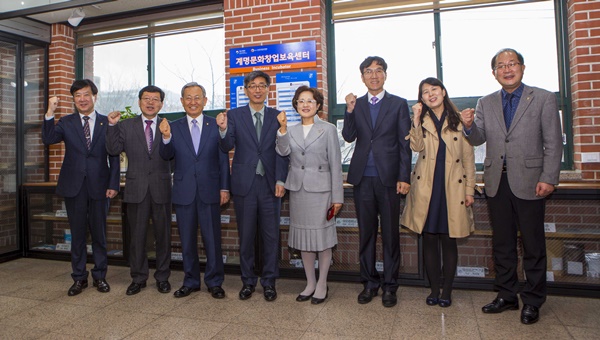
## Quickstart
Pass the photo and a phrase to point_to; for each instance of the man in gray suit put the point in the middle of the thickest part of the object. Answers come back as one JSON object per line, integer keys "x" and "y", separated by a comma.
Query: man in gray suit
{"x": 521, "y": 126}
{"x": 147, "y": 188}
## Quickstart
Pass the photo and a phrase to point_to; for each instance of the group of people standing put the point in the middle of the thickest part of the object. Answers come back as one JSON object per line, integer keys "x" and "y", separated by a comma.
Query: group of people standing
{"x": 519, "y": 123}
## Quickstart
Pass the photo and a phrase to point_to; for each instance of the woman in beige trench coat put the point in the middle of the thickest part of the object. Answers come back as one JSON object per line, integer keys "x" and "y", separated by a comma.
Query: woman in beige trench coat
{"x": 438, "y": 205}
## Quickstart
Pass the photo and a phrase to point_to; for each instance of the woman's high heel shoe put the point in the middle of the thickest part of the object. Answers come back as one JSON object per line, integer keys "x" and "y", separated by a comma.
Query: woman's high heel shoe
{"x": 432, "y": 301}
{"x": 302, "y": 298}
{"x": 316, "y": 301}
{"x": 445, "y": 303}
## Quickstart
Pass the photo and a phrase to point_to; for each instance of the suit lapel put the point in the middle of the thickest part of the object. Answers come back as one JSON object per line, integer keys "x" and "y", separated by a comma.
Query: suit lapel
{"x": 246, "y": 118}
{"x": 99, "y": 129}
{"x": 185, "y": 134}
{"x": 383, "y": 110}
{"x": 498, "y": 111}
{"x": 315, "y": 133}
{"x": 363, "y": 105}
{"x": 78, "y": 127}
{"x": 297, "y": 134}
{"x": 139, "y": 131}
{"x": 524, "y": 102}
{"x": 268, "y": 119}
{"x": 204, "y": 135}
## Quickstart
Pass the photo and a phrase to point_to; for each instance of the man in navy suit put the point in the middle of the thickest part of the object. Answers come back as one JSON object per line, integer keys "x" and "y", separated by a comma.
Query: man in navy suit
{"x": 88, "y": 179}
{"x": 380, "y": 172}
{"x": 147, "y": 188}
{"x": 258, "y": 174}
{"x": 200, "y": 187}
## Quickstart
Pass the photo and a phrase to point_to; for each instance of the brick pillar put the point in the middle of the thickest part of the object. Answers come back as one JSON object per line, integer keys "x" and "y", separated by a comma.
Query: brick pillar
{"x": 584, "y": 43}
{"x": 265, "y": 22}
{"x": 61, "y": 73}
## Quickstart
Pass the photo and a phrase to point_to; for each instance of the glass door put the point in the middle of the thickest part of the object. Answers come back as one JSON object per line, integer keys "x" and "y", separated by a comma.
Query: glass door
{"x": 9, "y": 84}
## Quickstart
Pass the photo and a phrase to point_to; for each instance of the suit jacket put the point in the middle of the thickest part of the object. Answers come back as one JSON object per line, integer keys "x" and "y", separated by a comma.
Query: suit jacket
{"x": 388, "y": 140}
{"x": 241, "y": 134}
{"x": 197, "y": 176}
{"x": 532, "y": 146}
{"x": 315, "y": 162}
{"x": 459, "y": 175}
{"x": 146, "y": 171}
{"x": 79, "y": 163}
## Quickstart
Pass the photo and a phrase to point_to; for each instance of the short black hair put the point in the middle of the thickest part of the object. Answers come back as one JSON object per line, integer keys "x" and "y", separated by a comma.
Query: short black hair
{"x": 152, "y": 89}
{"x": 255, "y": 74}
{"x": 81, "y": 83}
{"x": 519, "y": 56}
{"x": 369, "y": 60}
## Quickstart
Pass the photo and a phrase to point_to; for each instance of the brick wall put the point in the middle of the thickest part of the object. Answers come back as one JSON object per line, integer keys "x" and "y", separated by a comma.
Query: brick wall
{"x": 584, "y": 54}
{"x": 61, "y": 69}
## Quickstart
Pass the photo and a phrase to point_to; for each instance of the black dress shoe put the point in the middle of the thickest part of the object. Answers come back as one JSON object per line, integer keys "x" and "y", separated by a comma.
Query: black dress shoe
{"x": 367, "y": 295}
{"x": 389, "y": 299}
{"x": 163, "y": 286}
{"x": 135, "y": 288}
{"x": 432, "y": 301}
{"x": 217, "y": 292}
{"x": 102, "y": 286}
{"x": 185, "y": 291}
{"x": 77, "y": 287}
{"x": 302, "y": 298}
{"x": 246, "y": 292}
{"x": 530, "y": 314}
{"x": 270, "y": 293}
{"x": 316, "y": 301}
{"x": 445, "y": 303}
{"x": 499, "y": 305}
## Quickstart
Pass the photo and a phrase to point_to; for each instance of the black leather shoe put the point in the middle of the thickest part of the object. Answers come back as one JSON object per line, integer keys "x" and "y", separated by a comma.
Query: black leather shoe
{"x": 102, "y": 286}
{"x": 367, "y": 295}
{"x": 135, "y": 288}
{"x": 163, "y": 286}
{"x": 432, "y": 301}
{"x": 77, "y": 287}
{"x": 246, "y": 292}
{"x": 184, "y": 291}
{"x": 217, "y": 292}
{"x": 270, "y": 293}
{"x": 389, "y": 299}
{"x": 445, "y": 303}
{"x": 530, "y": 314}
{"x": 302, "y": 298}
{"x": 316, "y": 301}
{"x": 499, "y": 305}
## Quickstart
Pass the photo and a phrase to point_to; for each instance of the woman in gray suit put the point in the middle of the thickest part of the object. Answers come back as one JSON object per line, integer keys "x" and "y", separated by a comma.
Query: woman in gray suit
{"x": 314, "y": 182}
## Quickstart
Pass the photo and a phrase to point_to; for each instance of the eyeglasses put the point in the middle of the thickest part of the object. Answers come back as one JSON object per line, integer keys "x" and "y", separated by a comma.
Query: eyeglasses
{"x": 510, "y": 65}
{"x": 309, "y": 101}
{"x": 151, "y": 100}
{"x": 190, "y": 98}
{"x": 377, "y": 72}
{"x": 257, "y": 86}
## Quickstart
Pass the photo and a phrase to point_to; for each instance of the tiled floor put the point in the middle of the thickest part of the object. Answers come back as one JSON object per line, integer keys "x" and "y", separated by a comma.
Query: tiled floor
{"x": 34, "y": 305}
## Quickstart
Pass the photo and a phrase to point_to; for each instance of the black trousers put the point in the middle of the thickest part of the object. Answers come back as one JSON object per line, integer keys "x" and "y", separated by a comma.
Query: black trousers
{"x": 510, "y": 214}
{"x": 372, "y": 200}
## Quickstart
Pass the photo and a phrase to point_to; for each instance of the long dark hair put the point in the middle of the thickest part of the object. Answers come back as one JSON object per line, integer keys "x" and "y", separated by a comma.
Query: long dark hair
{"x": 449, "y": 107}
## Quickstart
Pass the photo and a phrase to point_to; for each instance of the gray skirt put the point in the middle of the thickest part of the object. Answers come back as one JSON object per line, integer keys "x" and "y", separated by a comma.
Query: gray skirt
{"x": 309, "y": 228}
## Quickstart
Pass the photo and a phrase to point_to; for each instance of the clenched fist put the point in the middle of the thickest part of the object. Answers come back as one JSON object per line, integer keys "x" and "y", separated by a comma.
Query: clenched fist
{"x": 467, "y": 116}
{"x": 222, "y": 121}
{"x": 52, "y": 106}
{"x": 350, "y": 102}
{"x": 165, "y": 128}
{"x": 282, "y": 119}
{"x": 417, "y": 111}
{"x": 114, "y": 117}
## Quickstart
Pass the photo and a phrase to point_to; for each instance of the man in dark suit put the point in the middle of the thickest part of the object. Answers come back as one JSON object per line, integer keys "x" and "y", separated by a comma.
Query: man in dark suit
{"x": 380, "y": 171}
{"x": 200, "y": 186}
{"x": 88, "y": 179}
{"x": 147, "y": 188}
{"x": 521, "y": 128}
{"x": 258, "y": 174}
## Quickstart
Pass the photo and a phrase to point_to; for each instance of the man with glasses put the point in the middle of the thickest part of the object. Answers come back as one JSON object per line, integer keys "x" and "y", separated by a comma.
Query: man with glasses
{"x": 521, "y": 128}
{"x": 200, "y": 187}
{"x": 148, "y": 188}
{"x": 379, "y": 122}
{"x": 257, "y": 178}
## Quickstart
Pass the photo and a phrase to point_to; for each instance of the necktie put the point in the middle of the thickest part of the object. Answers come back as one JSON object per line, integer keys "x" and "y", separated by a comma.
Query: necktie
{"x": 259, "y": 167}
{"x": 374, "y": 100}
{"x": 508, "y": 110}
{"x": 86, "y": 132}
{"x": 149, "y": 138}
{"x": 195, "y": 135}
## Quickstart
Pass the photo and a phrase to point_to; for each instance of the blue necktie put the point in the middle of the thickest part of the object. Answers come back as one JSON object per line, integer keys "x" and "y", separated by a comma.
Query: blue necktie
{"x": 195, "y": 135}
{"x": 508, "y": 110}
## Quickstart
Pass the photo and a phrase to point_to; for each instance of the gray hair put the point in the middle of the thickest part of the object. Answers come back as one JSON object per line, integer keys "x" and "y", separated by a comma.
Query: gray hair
{"x": 193, "y": 84}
